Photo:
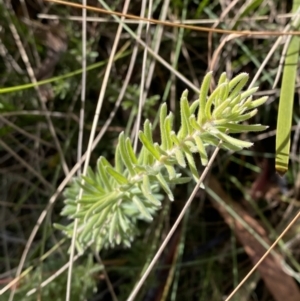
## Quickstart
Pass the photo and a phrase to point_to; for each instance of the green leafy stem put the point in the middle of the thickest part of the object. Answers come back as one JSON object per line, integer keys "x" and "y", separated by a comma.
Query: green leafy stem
{"x": 114, "y": 199}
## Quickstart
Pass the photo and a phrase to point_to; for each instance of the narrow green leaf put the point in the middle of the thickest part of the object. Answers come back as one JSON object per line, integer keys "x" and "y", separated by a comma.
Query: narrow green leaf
{"x": 103, "y": 203}
{"x": 68, "y": 211}
{"x": 125, "y": 156}
{"x": 168, "y": 128}
{"x": 211, "y": 140}
{"x": 118, "y": 160}
{"x": 187, "y": 148}
{"x": 149, "y": 145}
{"x": 87, "y": 179}
{"x": 149, "y": 158}
{"x": 148, "y": 130}
{"x": 191, "y": 146}
{"x": 127, "y": 243}
{"x": 227, "y": 112}
{"x": 111, "y": 198}
{"x": 130, "y": 151}
{"x": 244, "y": 117}
{"x": 201, "y": 118}
{"x": 99, "y": 183}
{"x": 103, "y": 174}
{"x": 240, "y": 128}
{"x": 223, "y": 94}
{"x": 145, "y": 158}
{"x": 79, "y": 248}
{"x": 171, "y": 160}
{"x": 171, "y": 171}
{"x": 214, "y": 98}
{"x": 194, "y": 106}
{"x": 140, "y": 158}
{"x": 248, "y": 93}
{"x": 82, "y": 240}
{"x": 180, "y": 157}
{"x": 165, "y": 186}
{"x": 162, "y": 118}
{"x": 181, "y": 180}
{"x": 122, "y": 221}
{"x": 91, "y": 175}
{"x": 218, "y": 112}
{"x": 102, "y": 216}
{"x": 94, "y": 188}
{"x": 185, "y": 114}
{"x": 235, "y": 101}
{"x": 192, "y": 165}
{"x": 160, "y": 150}
{"x": 118, "y": 237}
{"x": 258, "y": 102}
{"x": 105, "y": 163}
{"x": 60, "y": 227}
{"x": 91, "y": 198}
{"x": 80, "y": 214}
{"x": 201, "y": 150}
{"x": 146, "y": 189}
{"x": 117, "y": 176}
{"x": 222, "y": 78}
{"x": 88, "y": 227}
{"x": 112, "y": 227}
{"x": 99, "y": 243}
{"x": 143, "y": 210}
{"x": 247, "y": 102}
{"x": 236, "y": 142}
{"x": 71, "y": 192}
{"x": 175, "y": 138}
{"x": 237, "y": 84}
{"x": 194, "y": 124}
{"x": 149, "y": 170}
{"x": 184, "y": 126}
{"x": 141, "y": 168}
{"x": 70, "y": 202}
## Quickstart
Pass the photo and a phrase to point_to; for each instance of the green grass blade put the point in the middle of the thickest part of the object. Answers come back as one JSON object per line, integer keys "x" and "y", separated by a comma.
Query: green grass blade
{"x": 284, "y": 120}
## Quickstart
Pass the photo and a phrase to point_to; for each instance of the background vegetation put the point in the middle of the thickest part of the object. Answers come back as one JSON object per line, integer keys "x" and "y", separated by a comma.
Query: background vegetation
{"x": 211, "y": 251}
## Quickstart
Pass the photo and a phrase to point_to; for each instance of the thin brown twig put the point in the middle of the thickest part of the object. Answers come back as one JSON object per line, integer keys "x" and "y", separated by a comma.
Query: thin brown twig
{"x": 171, "y": 24}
